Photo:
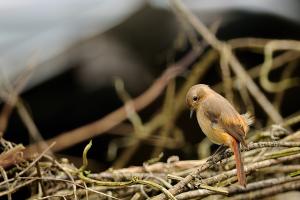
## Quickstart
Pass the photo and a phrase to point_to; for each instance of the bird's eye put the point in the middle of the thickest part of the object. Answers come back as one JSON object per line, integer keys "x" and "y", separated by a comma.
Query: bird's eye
{"x": 195, "y": 98}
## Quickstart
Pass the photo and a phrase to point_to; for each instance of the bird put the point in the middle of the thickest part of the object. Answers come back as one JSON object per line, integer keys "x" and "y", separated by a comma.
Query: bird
{"x": 220, "y": 122}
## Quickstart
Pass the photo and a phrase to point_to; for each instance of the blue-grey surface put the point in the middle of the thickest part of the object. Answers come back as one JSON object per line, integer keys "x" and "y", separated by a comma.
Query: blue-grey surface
{"x": 41, "y": 30}
{"x": 207, "y": 8}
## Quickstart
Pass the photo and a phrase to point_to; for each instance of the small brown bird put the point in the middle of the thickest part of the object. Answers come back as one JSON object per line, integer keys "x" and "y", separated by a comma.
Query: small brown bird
{"x": 220, "y": 122}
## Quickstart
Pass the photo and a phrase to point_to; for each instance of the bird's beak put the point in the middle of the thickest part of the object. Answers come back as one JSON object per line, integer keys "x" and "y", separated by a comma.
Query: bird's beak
{"x": 191, "y": 113}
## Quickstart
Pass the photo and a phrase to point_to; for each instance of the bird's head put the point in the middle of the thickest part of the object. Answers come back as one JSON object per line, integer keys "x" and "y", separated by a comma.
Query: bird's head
{"x": 194, "y": 96}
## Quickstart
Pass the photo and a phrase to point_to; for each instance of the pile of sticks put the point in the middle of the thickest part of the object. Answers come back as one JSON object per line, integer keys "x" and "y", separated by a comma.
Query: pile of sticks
{"x": 271, "y": 158}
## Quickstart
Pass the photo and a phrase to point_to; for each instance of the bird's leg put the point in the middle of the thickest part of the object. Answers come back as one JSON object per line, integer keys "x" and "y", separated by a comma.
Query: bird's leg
{"x": 220, "y": 150}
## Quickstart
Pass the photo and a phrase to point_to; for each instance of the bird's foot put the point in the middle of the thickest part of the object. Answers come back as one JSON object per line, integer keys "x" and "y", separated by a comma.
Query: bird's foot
{"x": 215, "y": 158}
{"x": 212, "y": 159}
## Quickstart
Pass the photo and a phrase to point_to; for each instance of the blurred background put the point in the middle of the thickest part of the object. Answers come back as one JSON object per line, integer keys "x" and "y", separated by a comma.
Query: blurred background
{"x": 78, "y": 48}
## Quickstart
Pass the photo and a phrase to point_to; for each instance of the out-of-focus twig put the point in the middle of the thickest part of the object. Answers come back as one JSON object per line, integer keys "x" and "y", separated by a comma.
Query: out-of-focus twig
{"x": 279, "y": 95}
{"x": 248, "y": 42}
{"x": 266, "y": 66}
{"x": 139, "y": 129}
{"x": 10, "y": 96}
{"x": 102, "y": 125}
{"x": 226, "y": 75}
{"x": 291, "y": 121}
{"x": 31, "y": 126}
{"x": 278, "y": 61}
{"x": 168, "y": 110}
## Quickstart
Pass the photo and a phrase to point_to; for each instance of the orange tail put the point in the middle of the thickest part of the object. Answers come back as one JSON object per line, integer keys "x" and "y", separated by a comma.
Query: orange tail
{"x": 239, "y": 163}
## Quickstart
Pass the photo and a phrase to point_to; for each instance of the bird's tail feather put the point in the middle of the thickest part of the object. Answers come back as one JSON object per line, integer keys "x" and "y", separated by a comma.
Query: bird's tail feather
{"x": 249, "y": 118}
{"x": 239, "y": 163}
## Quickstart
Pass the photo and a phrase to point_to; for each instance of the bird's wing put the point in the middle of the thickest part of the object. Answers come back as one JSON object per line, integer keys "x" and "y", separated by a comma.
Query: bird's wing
{"x": 221, "y": 113}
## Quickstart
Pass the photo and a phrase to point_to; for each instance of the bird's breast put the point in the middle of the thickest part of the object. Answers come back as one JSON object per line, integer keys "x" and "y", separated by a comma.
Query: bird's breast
{"x": 211, "y": 130}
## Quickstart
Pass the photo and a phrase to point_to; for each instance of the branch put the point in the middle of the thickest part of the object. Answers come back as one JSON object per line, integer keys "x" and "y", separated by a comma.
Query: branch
{"x": 70, "y": 138}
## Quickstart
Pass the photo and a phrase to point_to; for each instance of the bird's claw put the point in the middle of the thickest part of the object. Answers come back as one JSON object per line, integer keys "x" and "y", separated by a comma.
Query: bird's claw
{"x": 212, "y": 160}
